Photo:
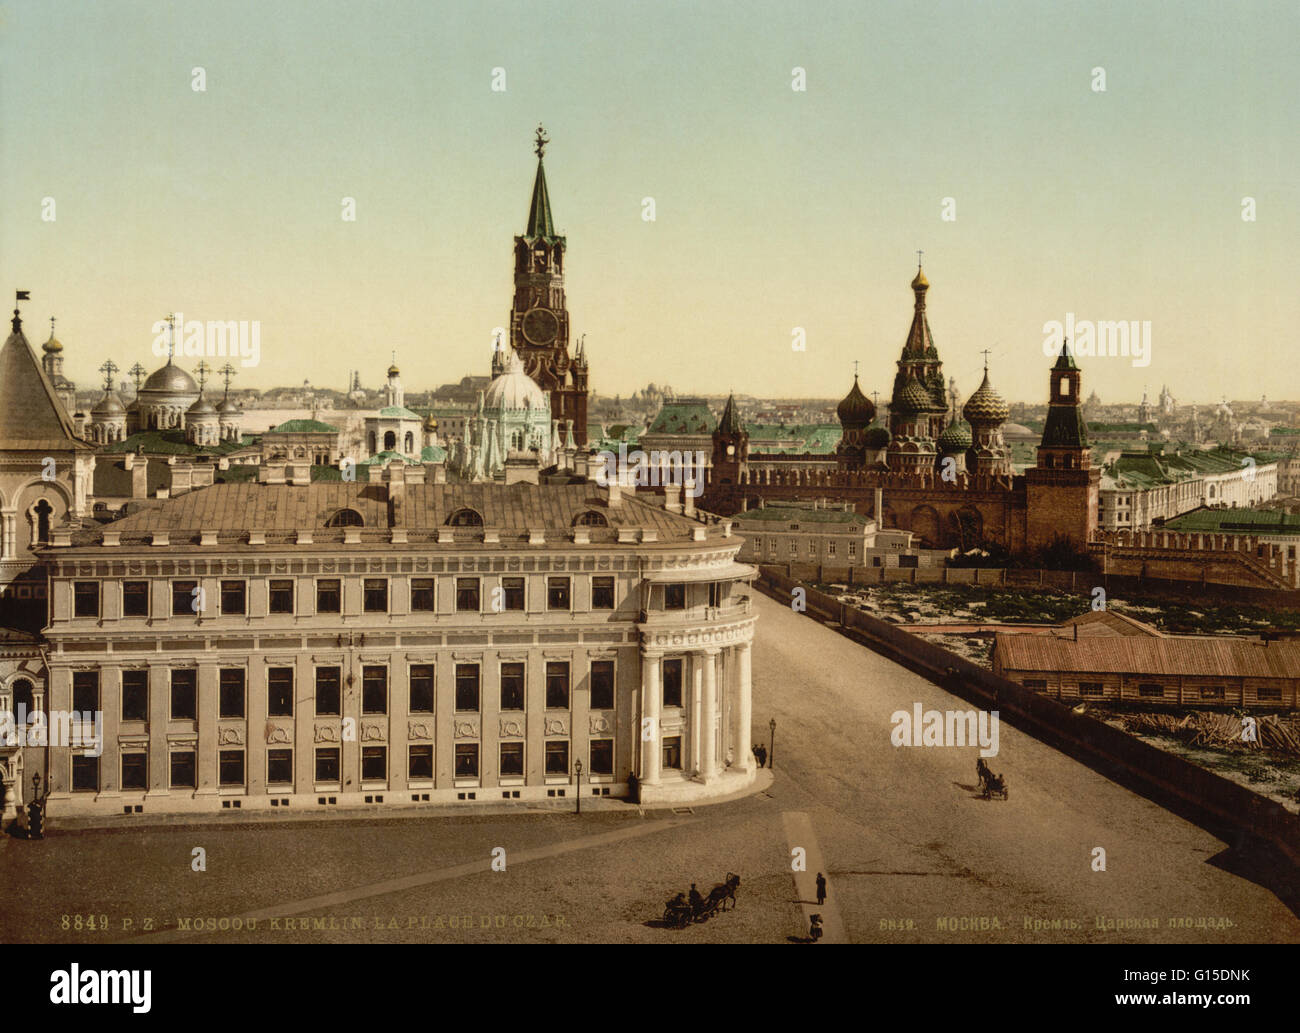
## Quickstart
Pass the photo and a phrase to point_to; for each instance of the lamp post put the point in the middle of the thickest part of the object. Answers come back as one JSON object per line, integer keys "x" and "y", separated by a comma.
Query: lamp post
{"x": 577, "y": 766}
{"x": 771, "y": 748}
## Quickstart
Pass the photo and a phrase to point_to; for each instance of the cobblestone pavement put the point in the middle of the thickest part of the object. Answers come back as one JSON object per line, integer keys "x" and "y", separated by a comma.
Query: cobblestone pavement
{"x": 910, "y": 853}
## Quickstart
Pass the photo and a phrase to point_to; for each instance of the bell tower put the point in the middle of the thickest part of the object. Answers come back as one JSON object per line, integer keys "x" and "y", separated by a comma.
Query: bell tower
{"x": 539, "y": 316}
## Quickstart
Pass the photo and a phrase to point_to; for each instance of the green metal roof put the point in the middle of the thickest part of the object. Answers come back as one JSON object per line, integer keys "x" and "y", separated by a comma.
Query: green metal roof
{"x": 800, "y": 438}
{"x": 687, "y": 417}
{"x": 398, "y": 412}
{"x": 1065, "y": 427}
{"x": 800, "y": 515}
{"x": 1248, "y": 521}
{"x": 303, "y": 427}
{"x": 540, "y": 223}
{"x": 173, "y": 443}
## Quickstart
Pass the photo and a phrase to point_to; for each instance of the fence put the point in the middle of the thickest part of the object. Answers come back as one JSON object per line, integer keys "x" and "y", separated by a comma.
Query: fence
{"x": 1195, "y": 792}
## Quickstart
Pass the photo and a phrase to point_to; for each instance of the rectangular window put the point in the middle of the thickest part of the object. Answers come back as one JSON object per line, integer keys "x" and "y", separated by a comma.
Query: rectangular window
{"x": 512, "y": 758}
{"x": 279, "y": 767}
{"x": 794, "y": 547}
{"x": 135, "y": 695}
{"x": 830, "y": 548}
{"x": 185, "y": 694}
{"x": 557, "y": 685}
{"x": 419, "y": 762}
{"x": 328, "y": 697}
{"x": 376, "y": 595}
{"x": 1211, "y": 692}
{"x": 85, "y": 690}
{"x": 673, "y": 682}
{"x": 467, "y": 687}
{"x": 85, "y": 598}
{"x": 467, "y": 760}
{"x": 135, "y": 598}
{"x": 422, "y": 595}
{"x": 329, "y": 595}
{"x": 1037, "y": 684}
{"x": 602, "y": 685}
{"x": 234, "y": 597}
{"x": 374, "y": 690}
{"x": 512, "y": 686}
{"x": 231, "y": 703}
{"x": 513, "y": 592}
{"x": 281, "y": 600}
{"x": 421, "y": 689}
{"x": 230, "y": 767}
{"x": 853, "y": 548}
{"x": 557, "y": 757}
{"x": 185, "y": 598}
{"x": 374, "y": 763}
{"x": 1147, "y": 688}
{"x": 327, "y": 764}
{"x": 85, "y": 774}
{"x": 602, "y": 756}
{"x": 135, "y": 771}
{"x": 1091, "y": 688}
{"x": 673, "y": 751}
{"x": 1269, "y": 694}
{"x": 675, "y": 596}
{"x": 182, "y": 769}
{"x": 602, "y": 593}
{"x": 467, "y": 600}
{"x": 557, "y": 593}
{"x": 279, "y": 692}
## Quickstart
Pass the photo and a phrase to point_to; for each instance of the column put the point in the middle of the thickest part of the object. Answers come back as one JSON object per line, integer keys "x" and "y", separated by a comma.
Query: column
{"x": 709, "y": 718}
{"x": 697, "y": 692}
{"x": 207, "y": 747}
{"x": 399, "y": 701}
{"x": 744, "y": 707}
{"x": 110, "y": 757}
{"x": 651, "y": 705}
{"x": 159, "y": 714}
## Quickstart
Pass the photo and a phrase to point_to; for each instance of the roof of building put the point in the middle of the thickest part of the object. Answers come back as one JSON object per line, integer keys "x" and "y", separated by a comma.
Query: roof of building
{"x": 1247, "y": 521}
{"x": 683, "y": 416}
{"x": 794, "y": 439}
{"x": 986, "y": 405}
{"x": 281, "y": 509}
{"x": 802, "y": 515}
{"x": 514, "y": 390}
{"x": 303, "y": 427}
{"x": 1108, "y": 622}
{"x": 956, "y": 437}
{"x": 855, "y": 409}
{"x": 540, "y": 223}
{"x": 397, "y": 412}
{"x": 1158, "y": 465}
{"x": 1065, "y": 426}
{"x": 730, "y": 422}
{"x": 113, "y": 481}
{"x": 1220, "y": 657}
{"x": 31, "y": 415}
{"x": 173, "y": 443}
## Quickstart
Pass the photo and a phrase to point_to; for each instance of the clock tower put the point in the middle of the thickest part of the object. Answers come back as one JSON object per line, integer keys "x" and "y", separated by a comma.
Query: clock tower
{"x": 539, "y": 318}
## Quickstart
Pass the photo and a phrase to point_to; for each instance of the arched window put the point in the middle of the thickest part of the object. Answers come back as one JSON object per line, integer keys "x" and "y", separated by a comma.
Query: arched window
{"x": 517, "y": 440}
{"x": 44, "y": 512}
{"x": 372, "y": 443}
{"x": 23, "y": 697}
{"x": 390, "y": 441}
{"x": 590, "y": 518}
{"x": 345, "y": 518}
{"x": 410, "y": 443}
{"x": 465, "y": 518}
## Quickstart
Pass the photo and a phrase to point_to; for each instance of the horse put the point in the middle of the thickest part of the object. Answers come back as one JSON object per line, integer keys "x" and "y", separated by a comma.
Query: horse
{"x": 982, "y": 772}
{"x": 724, "y": 891}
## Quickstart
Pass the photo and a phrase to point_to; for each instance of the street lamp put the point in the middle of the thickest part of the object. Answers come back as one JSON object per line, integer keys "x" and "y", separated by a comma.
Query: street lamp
{"x": 771, "y": 749}
{"x": 577, "y": 766}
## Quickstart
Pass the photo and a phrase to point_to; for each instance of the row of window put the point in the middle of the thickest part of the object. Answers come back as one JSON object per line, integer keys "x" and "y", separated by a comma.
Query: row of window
{"x": 232, "y": 689}
{"x": 772, "y": 544}
{"x": 189, "y": 597}
{"x": 1149, "y": 690}
{"x": 374, "y": 764}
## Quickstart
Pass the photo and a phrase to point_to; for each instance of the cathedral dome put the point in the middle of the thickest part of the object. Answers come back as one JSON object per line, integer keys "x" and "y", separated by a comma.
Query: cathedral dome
{"x": 514, "y": 389}
{"x": 109, "y": 405}
{"x": 856, "y": 409}
{"x": 876, "y": 437}
{"x": 986, "y": 405}
{"x": 955, "y": 438}
{"x": 229, "y": 408}
{"x": 919, "y": 282}
{"x": 201, "y": 407}
{"x": 914, "y": 398}
{"x": 171, "y": 379}
{"x": 52, "y": 345}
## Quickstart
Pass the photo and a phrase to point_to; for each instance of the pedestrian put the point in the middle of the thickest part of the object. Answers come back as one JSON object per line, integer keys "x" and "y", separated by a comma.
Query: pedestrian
{"x": 762, "y": 756}
{"x": 731, "y": 756}
{"x": 821, "y": 889}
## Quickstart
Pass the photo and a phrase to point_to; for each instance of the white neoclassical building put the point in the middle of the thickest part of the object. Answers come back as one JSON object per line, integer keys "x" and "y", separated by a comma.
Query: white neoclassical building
{"x": 398, "y": 643}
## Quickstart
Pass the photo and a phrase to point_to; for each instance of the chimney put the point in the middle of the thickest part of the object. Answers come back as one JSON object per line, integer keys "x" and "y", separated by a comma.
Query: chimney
{"x": 673, "y": 498}
{"x": 139, "y": 477}
{"x": 615, "y": 494}
{"x": 395, "y": 475}
{"x": 128, "y": 460}
{"x": 879, "y": 511}
{"x": 688, "y": 497}
{"x": 299, "y": 472}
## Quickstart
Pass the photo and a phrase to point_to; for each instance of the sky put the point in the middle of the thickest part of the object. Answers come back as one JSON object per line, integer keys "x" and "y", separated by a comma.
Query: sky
{"x": 774, "y": 208}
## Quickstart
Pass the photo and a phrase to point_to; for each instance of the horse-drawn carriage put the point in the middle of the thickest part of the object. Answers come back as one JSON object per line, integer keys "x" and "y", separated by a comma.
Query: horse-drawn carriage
{"x": 990, "y": 785}
{"x": 684, "y": 909}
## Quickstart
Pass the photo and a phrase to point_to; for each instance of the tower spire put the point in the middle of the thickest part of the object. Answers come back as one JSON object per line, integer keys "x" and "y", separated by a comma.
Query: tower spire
{"x": 540, "y": 223}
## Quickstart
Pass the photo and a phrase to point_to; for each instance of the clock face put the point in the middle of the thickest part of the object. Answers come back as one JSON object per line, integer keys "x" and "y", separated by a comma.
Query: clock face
{"x": 540, "y": 326}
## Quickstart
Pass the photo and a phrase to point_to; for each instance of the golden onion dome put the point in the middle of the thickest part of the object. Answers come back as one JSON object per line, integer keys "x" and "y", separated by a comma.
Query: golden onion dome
{"x": 986, "y": 405}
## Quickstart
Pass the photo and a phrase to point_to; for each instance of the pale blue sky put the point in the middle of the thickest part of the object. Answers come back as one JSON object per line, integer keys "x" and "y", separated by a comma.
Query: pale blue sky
{"x": 775, "y": 209}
